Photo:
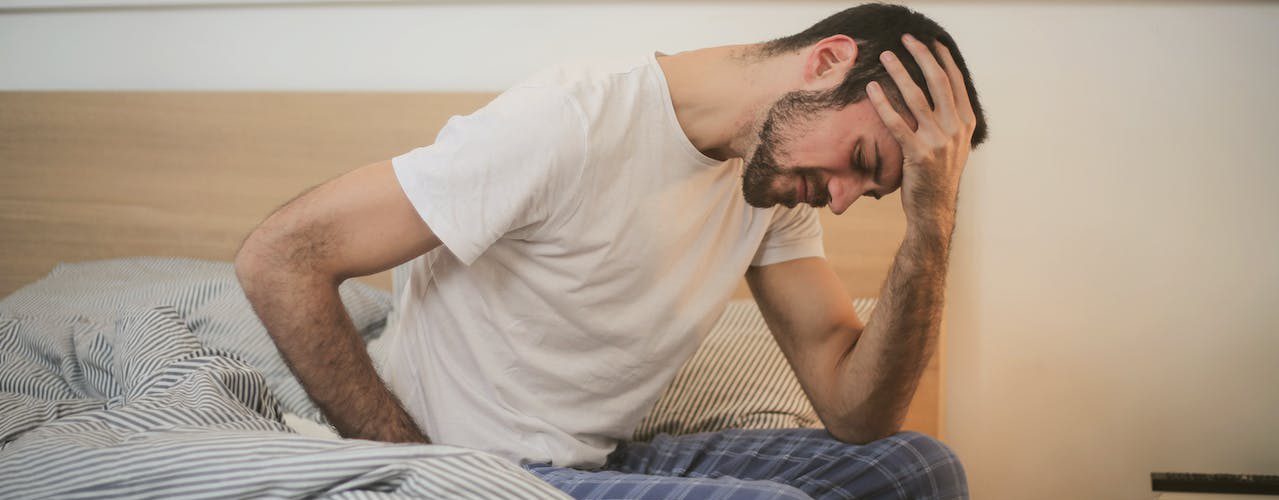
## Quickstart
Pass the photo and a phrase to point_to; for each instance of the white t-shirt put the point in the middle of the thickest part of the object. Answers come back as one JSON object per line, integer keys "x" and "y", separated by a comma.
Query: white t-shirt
{"x": 588, "y": 247}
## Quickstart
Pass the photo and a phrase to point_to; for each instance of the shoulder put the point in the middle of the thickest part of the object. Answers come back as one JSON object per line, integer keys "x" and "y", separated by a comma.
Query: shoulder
{"x": 578, "y": 74}
{"x": 525, "y": 123}
{"x": 599, "y": 87}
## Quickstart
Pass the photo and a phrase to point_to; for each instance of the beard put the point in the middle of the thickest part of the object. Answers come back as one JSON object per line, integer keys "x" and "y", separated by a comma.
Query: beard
{"x": 762, "y": 170}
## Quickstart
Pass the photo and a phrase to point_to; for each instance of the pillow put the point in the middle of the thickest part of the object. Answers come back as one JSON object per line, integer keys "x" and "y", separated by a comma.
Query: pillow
{"x": 737, "y": 379}
{"x": 208, "y": 297}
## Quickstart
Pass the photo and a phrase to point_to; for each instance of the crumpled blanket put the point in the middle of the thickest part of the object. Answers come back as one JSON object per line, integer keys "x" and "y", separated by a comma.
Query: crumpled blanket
{"x": 117, "y": 399}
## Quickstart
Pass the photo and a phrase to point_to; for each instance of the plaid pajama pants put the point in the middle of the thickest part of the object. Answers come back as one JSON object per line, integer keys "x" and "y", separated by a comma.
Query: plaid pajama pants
{"x": 773, "y": 463}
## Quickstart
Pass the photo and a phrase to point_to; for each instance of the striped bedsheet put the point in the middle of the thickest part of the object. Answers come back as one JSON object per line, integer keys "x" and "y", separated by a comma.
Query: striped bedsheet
{"x": 737, "y": 379}
{"x": 142, "y": 378}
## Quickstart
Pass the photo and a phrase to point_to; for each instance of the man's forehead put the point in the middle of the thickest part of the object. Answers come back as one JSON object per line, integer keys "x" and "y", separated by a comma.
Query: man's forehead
{"x": 865, "y": 111}
{"x": 867, "y": 126}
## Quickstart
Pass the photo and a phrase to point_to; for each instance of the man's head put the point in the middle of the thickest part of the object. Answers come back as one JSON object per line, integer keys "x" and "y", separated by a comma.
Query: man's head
{"x": 824, "y": 143}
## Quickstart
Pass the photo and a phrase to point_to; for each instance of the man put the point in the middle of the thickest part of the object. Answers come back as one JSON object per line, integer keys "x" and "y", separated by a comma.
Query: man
{"x": 572, "y": 239}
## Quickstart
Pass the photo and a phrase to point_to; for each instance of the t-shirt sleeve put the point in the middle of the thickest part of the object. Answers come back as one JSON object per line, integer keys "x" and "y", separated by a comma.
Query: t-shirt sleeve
{"x": 500, "y": 170}
{"x": 794, "y": 233}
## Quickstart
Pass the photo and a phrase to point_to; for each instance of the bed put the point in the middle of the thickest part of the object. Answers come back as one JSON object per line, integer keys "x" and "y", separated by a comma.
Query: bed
{"x": 127, "y": 347}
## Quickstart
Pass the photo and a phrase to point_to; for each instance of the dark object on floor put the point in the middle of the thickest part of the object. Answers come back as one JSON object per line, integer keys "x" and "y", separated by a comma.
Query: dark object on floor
{"x": 1257, "y": 484}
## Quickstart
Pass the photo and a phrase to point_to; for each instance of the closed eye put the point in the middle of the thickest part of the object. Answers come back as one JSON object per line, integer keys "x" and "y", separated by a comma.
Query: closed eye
{"x": 874, "y": 173}
{"x": 858, "y": 163}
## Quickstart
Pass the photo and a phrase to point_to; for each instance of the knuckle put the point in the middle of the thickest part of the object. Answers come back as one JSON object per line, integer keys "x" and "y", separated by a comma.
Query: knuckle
{"x": 938, "y": 145}
{"x": 938, "y": 150}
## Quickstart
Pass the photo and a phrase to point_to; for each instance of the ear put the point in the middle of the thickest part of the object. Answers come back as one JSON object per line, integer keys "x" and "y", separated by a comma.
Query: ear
{"x": 829, "y": 60}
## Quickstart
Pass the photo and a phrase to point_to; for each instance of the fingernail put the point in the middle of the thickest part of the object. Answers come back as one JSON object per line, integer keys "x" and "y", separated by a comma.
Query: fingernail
{"x": 887, "y": 55}
{"x": 908, "y": 38}
{"x": 872, "y": 87}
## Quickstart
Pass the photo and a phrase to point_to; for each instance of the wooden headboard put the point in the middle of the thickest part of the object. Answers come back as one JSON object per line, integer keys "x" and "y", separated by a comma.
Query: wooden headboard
{"x": 93, "y": 175}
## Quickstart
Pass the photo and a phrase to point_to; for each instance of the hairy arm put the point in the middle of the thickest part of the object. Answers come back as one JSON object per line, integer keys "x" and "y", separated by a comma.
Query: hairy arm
{"x": 861, "y": 378}
{"x": 290, "y": 268}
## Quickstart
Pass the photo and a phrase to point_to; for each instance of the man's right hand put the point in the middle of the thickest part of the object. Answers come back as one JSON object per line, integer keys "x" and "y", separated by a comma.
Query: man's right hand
{"x": 290, "y": 267}
{"x": 935, "y": 152}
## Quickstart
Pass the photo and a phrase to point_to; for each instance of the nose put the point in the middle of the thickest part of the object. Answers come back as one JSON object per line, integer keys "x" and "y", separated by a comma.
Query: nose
{"x": 842, "y": 195}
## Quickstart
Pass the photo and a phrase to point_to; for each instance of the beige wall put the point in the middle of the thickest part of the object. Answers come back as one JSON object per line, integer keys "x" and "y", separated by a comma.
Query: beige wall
{"x": 1114, "y": 284}
{"x": 1114, "y": 307}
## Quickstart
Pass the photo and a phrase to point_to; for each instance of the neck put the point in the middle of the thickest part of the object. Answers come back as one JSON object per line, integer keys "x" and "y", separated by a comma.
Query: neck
{"x": 721, "y": 93}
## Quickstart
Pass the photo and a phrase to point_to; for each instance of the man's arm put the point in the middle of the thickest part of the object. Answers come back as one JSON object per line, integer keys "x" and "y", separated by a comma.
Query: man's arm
{"x": 290, "y": 267}
{"x": 861, "y": 379}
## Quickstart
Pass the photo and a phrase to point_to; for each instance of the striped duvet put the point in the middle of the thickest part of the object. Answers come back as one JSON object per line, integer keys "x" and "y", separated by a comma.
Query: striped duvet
{"x": 144, "y": 378}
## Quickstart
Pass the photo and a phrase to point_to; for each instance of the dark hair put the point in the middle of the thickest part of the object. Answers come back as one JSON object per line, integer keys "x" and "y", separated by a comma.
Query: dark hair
{"x": 878, "y": 27}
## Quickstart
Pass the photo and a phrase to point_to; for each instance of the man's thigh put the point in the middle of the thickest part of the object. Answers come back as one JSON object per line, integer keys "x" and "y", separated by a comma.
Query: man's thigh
{"x": 905, "y": 465}
{"x": 613, "y": 485}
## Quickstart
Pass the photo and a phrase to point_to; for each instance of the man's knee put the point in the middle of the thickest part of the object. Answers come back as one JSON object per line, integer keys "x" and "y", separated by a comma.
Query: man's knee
{"x": 763, "y": 490}
{"x": 920, "y": 466}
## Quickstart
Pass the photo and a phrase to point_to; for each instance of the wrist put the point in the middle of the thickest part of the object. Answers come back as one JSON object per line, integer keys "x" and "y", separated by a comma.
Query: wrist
{"x": 930, "y": 204}
{"x": 931, "y": 223}
{"x": 929, "y": 235}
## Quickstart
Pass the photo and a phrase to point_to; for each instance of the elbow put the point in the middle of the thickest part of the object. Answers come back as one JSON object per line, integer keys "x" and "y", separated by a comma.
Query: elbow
{"x": 271, "y": 261}
{"x": 259, "y": 261}
{"x": 243, "y": 263}
{"x": 249, "y": 259}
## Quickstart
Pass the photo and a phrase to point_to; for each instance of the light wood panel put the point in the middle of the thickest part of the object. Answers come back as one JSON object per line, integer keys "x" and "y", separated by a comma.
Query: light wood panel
{"x": 93, "y": 175}
{"x": 100, "y": 175}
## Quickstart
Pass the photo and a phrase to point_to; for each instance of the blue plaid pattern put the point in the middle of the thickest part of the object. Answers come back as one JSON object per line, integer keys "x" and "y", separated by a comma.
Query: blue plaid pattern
{"x": 768, "y": 463}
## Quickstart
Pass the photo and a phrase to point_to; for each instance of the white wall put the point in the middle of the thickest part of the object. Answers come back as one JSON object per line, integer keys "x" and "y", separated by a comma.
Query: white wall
{"x": 1115, "y": 295}
{"x": 1114, "y": 284}
{"x": 387, "y": 47}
